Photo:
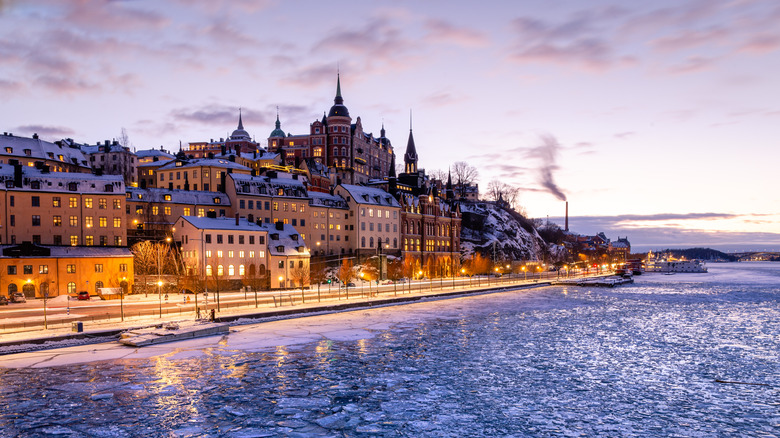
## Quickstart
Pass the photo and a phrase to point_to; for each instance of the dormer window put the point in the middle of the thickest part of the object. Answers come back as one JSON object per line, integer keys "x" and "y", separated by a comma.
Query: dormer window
{"x": 178, "y": 164}
{"x": 217, "y": 200}
{"x": 167, "y": 197}
{"x": 9, "y": 150}
{"x": 280, "y": 248}
{"x": 109, "y": 188}
{"x": 294, "y": 237}
{"x": 9, "y": 184}
{"x": 73, "y": 186}
{"x": 35, "y": 185}
{"x": 274, "y": 236}
{"x": 28, "y": 152}
{"x": 59, "y": 157}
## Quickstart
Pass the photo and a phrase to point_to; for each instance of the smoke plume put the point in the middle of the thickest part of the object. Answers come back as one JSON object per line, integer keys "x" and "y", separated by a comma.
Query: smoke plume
{"x": 547, "y": 152}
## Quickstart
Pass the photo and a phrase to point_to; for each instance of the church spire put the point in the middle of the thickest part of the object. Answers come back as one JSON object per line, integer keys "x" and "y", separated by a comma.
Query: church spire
{"x": 338, "y": 100}
{"x": 240, "y": 122}
{"x": 410, "y": 157}
{"x": 338, "y": 108}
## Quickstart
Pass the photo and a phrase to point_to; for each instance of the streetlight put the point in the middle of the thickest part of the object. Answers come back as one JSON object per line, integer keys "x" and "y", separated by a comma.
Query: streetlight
{"x": 361, "y": 285}
{"x": 45, "y": 295}
{"x": 525, "y": 274}
{"x": 281, "y": 285}
{"x": 159, "y": 294}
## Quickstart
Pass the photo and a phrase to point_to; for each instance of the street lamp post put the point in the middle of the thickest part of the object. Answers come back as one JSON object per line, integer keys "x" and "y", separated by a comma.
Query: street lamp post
{"x": 281, "y": 279}
{"x": 122, "y": 299}
{"x": 159, "y": 294}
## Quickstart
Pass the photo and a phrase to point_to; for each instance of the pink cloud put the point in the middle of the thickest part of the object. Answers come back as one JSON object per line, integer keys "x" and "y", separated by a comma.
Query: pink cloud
{"x": 441, "y": 99}
{"x": 763, "y": 43}
{"x": 110, "y": 15}
{"x": 688, "y": 39}
{"x": 444, "y": 32}
{"x": 65, "y": 84}
{"x": 49, "y": 131}
{"x": 692, "y": 64}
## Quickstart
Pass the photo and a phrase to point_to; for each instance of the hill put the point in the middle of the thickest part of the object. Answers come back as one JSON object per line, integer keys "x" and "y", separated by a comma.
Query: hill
{"x": 707, "y": 254}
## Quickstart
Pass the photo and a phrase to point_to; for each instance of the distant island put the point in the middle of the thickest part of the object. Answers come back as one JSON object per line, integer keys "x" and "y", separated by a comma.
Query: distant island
{"x": 713, "y": 255}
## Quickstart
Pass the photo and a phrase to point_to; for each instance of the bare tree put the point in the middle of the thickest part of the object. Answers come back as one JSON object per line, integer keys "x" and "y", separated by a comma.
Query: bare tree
{"x": 438, "y": 175}
{"x": 346, "y": 272}
{"x": 465, "y": 175}
{"x": 300, "y": 274}
{"x": 500, "y": 190}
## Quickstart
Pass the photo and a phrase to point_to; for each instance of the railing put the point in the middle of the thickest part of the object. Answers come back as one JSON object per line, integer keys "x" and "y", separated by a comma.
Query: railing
{"x": 311, "y": 296}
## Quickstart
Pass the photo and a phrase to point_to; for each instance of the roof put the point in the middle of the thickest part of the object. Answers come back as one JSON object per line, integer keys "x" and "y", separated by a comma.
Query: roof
{"x": 370, "y": 195}
{"x": 153, "y": 153}
{"x": 77, "y": 251}
{"x": 327, "y": 200}
{"x": 266, "y": 186}
{"x": 222, "y": 223}
{"x": 61, "y": 181}
{"x": 284, "y": 242}
{"x": 11, "y": 145}
{"x": 204, "y": 162}
{"x": 192, "y": 197}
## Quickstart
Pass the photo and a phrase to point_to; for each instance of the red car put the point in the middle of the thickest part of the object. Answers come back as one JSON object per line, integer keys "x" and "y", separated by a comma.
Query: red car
{"x": 83, "y": 295}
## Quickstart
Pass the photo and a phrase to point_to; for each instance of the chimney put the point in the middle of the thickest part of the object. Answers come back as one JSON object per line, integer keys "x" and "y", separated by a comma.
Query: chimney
{"x": 567, "y": 217}
{"x": 35, "y": 136}
{"x": 17, "y": 174}
{"x": 280, "y": 225}
{"x": 223, "y": 149}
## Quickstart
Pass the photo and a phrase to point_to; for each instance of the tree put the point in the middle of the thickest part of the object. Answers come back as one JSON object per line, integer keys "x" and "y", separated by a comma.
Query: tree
{"x": 500, "y": 190}
{"x": 318, "y": 273}
{"x": 438, "y": 175}
{"x": 300, "y": 274}
{"x": 217, "y": 275}
{"x": 465, "y": 175}
{"x": 395, "y": 269}
{"x": 346, "y": 272}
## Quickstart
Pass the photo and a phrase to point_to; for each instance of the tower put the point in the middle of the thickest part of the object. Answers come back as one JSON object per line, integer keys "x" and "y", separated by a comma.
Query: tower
{"x": 410, "y": 157}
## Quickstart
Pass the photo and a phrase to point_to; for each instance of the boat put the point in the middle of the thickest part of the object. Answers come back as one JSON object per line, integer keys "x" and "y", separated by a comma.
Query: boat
{"x": 636, "y": 266}
{"x": 171, "y": 332}
{"x": 676, "y": 266}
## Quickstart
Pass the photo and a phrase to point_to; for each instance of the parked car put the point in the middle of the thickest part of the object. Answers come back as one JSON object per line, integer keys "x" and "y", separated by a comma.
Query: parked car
{"x": 83, "y": 295}
{"x": 18, "y": 297}
{"x": 350, "y": 284}
{"x": 3, "y": 300}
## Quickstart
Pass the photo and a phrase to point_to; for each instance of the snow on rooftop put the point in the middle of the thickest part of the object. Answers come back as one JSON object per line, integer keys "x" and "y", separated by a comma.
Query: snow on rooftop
{"x": 370, "y": 195}
{"x": 177, "y": 196}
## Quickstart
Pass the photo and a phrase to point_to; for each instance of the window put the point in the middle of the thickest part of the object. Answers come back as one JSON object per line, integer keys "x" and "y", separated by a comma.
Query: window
{"x": 219, "y": 253}
{"x": 231, "y": 270}
{"x": 241, "y": 270}
{"x": 117, "y": 241}
{"x": 89, "y": 240}
{"x": 219, "y": 238}
{"x": 74, "y": 221}
{"x": 87, "y": 202}
{"x": 98, "y": 267}
{"x": 208, "y": 238}
{"x": 55, "y": 202}
{"x": 117, "y": 222}
{"x": 276, "y": 206}
{"x": 251, "y": 240}
{"x": 230, "y": 239}
{"x": 103, "y": 240}
{"x": 187, "y": 211}
{"x": 208, "y": 270}
{"x": 11, "y": 270}
{"x": 281, "y": 264}
{"x": 36, "y": 220}
{"x": 73, "y": 202}
{"x": 201, "y": 212}
{"x": 230, "y": 254}
{"x": 27, "y": 269}
{"x": 43, "y": 269}
{"x": 70, "y": 269}
{"x": 102, "y": 221}
{"x": 208, "y": 253}
{"x": 155, "y": 210}
{"x": 123, "y": 267}
{"x": 220, "y": 270}
{"x": 102, "y": 203}
{"x": 88, "y": 221}
{"x": 12, "y": 220}
{"x": 36, "y": 201}
{"x": 71, "y": 288}
{"x": 167, "y": 211}
{"x": 74, "y": 240}
{"x": 117, "y": 204}
{"x": 363, "y": 242}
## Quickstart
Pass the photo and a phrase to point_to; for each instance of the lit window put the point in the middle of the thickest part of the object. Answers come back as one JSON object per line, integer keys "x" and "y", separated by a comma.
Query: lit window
{"x": 87, "y": 202}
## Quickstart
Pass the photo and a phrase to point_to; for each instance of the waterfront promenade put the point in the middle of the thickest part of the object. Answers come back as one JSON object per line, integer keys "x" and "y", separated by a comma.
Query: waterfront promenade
{"x": 101, "y": 319}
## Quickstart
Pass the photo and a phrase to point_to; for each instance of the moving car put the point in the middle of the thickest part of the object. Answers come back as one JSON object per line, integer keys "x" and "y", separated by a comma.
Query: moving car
{"x": 18, "y": 297}
{"x": 83, "y": 295}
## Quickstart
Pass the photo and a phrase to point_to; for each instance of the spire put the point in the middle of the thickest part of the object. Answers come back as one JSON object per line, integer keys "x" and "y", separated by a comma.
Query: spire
{"x": 278, "y": 123}
{"x": 382, "y": 131}
{"x": 410, "y": 157}
{"x": 240, "y": 122}
{"x": 391, "y": 171}
{"x": 338, "y": 100}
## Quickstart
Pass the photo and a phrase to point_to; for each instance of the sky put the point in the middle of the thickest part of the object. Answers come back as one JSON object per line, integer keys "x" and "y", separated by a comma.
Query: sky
{"x": 655, "y": 120}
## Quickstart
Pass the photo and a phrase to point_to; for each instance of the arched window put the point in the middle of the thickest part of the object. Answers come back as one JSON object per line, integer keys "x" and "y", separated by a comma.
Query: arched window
{"x": 220, "y": 271}
{"x": 344, "y": 151}
{"x": 371, "y": 242}
{"x": 335, "y": 151}
{"x": 395, "y": 242}
{"x": 11, "y": 289}
{"x": 71, "y": 288}
{"x": 208, "y": 270}
{"x": 98, "y": 285}
{"x": 241, "y": 270}
{"x": 231, "y": 270}
{"x": 252, "y": 270}
{"x": 363, "y": 241}
{"x": 261, "y": 271}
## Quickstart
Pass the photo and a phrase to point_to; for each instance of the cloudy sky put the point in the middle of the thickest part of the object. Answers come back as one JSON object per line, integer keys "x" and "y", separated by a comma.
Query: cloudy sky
{"x": 657, "y": 120}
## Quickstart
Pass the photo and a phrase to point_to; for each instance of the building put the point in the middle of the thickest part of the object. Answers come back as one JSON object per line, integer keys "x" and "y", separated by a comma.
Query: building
{"x": 151, "y": 213}
{"x": 620, "y": 249}
{"x": 44, "y": 270}
{"x": 372, "y": 219}
{"x": 61, "y": 208}
{"x": 236, "y": 250}
{"x": 355, "y": 156}
{"x": 205, "y": 174}
{"x": 430, "y": 221}
{"x": 148, "y": 163}
{"x": 60, "y": 156}
{"x": 329, "y": 225}
{"x": 239, "y": 142}
{"x": 111, "y": 158}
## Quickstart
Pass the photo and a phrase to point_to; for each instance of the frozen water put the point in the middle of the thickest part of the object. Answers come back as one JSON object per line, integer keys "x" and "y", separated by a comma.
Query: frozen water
{"x": 638, "y": 360}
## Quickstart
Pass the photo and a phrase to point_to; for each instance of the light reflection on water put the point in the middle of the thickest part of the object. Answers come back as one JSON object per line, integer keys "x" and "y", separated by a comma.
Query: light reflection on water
{"x": 639, "y": 360}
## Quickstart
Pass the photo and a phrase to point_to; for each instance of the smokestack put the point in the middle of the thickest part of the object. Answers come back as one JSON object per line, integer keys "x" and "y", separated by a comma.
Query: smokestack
{"x": 567, "y": 216}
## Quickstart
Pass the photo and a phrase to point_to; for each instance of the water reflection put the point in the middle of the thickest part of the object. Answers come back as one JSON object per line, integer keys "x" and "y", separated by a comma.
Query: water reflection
{"x": 633, "y": 361}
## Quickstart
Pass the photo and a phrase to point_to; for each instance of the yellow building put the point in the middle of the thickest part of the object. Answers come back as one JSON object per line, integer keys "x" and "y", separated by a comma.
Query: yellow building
{"x": 36, "y": 269}
{"x": 61, "y": 208}
{"x": 205, "y": 174}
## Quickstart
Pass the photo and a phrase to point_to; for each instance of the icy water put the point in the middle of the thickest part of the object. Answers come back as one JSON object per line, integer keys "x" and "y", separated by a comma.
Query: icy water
{"x": 638, "y": 360}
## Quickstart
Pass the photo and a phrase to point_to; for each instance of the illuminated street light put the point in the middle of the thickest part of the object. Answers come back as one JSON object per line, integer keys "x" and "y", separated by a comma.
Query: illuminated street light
{"x": 159, "y": 294}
